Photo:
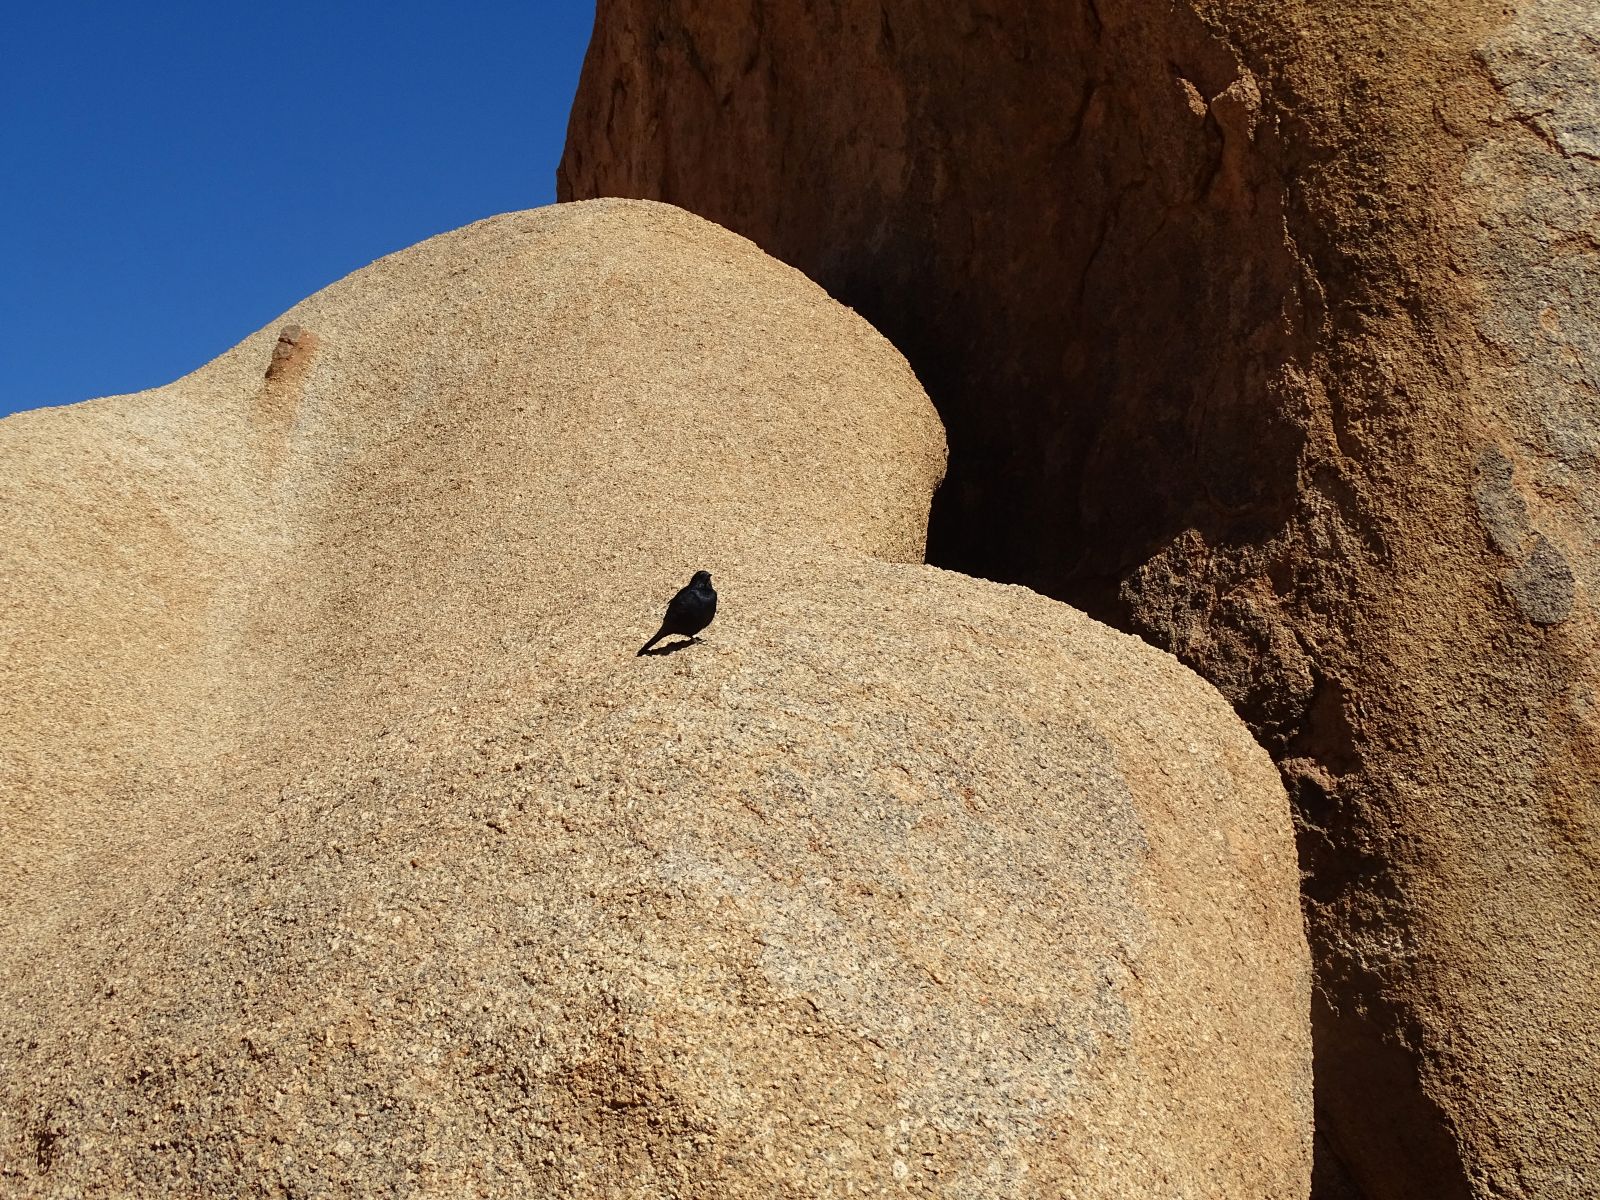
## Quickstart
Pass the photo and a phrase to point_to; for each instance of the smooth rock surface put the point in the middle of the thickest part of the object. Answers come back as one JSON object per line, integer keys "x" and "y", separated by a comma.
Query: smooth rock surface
{"x": 373, "y": 861}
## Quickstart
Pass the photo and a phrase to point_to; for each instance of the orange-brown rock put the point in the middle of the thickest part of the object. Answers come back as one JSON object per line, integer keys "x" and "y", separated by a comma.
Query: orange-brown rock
{"x": 1267, "y": 331}
{"x": 368, "y": 859}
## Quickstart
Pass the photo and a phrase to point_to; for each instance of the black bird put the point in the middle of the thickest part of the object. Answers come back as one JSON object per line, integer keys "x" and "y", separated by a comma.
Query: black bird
{"x": 689, "y": 612}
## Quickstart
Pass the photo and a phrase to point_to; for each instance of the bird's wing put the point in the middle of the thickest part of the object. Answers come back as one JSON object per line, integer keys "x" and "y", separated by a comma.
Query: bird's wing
{"x": 682, "y": 604}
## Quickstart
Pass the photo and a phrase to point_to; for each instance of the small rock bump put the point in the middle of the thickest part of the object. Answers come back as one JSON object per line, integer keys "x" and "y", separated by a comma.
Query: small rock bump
{"x": 1544, "y": 587}
{"x": 1500, "y": 506}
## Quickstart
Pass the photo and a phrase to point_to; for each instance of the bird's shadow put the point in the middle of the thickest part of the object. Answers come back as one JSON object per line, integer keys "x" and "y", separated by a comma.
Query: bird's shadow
{"x": 671, "y": 647}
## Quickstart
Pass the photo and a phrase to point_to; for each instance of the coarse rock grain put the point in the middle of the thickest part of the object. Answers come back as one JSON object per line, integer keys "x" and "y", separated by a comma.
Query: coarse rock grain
{"x": 370, "y": 860}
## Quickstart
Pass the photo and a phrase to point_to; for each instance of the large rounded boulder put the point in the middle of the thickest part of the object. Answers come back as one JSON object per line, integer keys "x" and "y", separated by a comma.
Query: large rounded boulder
{"x": 895, "y": 880}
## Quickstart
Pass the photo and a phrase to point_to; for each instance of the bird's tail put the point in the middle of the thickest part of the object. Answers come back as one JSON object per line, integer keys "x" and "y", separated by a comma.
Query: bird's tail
{"x": 660, "y": 633}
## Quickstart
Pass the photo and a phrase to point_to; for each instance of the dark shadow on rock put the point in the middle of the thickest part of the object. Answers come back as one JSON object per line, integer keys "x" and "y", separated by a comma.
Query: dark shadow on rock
{"x": 671, "y": 647}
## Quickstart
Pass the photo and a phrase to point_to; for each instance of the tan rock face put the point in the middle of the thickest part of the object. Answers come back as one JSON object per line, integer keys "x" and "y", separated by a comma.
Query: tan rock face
{"x": 1265, "y": 331}
{"x": 401, "y": 872}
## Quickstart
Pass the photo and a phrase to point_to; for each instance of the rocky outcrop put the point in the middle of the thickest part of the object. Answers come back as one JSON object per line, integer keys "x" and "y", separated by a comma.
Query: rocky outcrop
{"x": 369, "y": 857}
{"x": 1265, "y": 331}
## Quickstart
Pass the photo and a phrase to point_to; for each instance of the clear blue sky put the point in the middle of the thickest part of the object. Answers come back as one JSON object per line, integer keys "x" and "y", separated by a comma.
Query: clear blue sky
{"x": 175, "y": 175}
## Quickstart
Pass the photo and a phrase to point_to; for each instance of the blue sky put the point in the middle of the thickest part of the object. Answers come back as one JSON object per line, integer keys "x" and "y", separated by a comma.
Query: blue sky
{"x": 175, "y": 175}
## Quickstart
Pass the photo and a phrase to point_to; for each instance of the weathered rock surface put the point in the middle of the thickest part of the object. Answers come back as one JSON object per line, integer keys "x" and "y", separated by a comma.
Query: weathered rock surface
{"x": 1267, "y": 331}
{"x": 369, "y": 859}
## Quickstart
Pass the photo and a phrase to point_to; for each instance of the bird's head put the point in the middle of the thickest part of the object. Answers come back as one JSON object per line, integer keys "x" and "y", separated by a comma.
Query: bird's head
{"x": 701, "y": 579}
